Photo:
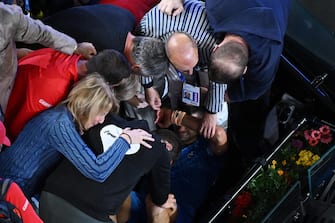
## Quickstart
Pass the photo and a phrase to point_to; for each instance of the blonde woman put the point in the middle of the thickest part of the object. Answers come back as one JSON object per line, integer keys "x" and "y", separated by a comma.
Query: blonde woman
{"x": 57, "y": 132}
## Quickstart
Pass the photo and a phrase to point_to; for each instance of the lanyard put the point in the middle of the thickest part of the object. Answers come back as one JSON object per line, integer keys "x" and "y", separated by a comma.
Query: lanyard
{"x": 181, "y": 76}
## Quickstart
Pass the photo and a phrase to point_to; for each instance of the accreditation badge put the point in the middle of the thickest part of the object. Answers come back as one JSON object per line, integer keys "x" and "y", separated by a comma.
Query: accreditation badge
{"x": 191, "y": 94}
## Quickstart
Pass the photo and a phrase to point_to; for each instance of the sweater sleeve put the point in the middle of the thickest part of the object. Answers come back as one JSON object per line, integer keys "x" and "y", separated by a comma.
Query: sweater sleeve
{"x": 68, "y": 141}
{"x": 159, "y": 178}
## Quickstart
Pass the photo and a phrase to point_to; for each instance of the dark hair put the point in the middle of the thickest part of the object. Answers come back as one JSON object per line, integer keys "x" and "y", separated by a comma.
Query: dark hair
{"x": 111, "y": 64}
{"x": 228, "y": 62}
{"x": 190, "y": 109}
{"x": 149, "y": 53}
{"x": 171, "y": 137}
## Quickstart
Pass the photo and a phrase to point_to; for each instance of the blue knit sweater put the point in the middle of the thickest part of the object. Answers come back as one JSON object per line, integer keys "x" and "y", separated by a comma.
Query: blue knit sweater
{"x": 41, "y": 144}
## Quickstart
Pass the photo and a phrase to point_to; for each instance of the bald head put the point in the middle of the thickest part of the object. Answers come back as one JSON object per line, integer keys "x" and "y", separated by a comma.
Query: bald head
{"x": 182, "y": 52}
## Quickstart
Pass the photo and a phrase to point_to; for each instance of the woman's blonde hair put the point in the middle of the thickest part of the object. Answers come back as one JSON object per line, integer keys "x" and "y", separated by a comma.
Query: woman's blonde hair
{"x": 89, "y": 97}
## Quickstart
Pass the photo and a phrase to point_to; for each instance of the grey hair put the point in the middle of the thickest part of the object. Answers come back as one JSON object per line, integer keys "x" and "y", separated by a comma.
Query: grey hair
{"x": 149, "y": 53}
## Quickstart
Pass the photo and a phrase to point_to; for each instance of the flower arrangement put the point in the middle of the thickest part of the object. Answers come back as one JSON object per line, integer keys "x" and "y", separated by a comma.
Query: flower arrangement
{"x": 286, "y": 167}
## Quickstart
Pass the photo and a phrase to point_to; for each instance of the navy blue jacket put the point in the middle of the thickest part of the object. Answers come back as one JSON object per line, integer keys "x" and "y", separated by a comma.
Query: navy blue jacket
{"x": 262, "y": 24}
{"x": 106, "y": 26}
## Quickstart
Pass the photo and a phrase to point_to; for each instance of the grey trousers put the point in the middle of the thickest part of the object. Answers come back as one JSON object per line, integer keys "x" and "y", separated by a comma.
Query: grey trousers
{"x": 53, "y": 209}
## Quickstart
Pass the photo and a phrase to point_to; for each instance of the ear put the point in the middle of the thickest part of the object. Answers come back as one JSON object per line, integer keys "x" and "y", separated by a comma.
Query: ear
{"x": 216, "y": 46}
{"x": 245, "y": 69}
{"x": 136, "y": 68}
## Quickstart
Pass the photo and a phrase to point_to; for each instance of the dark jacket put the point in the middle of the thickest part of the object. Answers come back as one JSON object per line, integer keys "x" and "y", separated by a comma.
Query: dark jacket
{"x": 102, "y": 199}
{"x": 262, "y": 24}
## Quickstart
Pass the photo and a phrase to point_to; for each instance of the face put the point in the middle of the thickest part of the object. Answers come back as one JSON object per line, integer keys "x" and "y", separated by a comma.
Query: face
{"x": 186, "y": 135}
{"x": 182, "y": 53}
{"x": 186, "y": 62}
{"x": 97, "y": 119}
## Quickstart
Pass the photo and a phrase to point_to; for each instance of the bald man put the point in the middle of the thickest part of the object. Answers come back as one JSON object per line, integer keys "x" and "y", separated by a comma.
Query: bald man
{"x": 191, "y": 21}
{"x": 182, "y": 51}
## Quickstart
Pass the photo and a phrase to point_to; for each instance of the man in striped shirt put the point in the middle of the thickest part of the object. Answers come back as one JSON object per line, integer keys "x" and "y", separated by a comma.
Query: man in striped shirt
{"x": 251, "y": 37}
{"x": 192, "y": 21}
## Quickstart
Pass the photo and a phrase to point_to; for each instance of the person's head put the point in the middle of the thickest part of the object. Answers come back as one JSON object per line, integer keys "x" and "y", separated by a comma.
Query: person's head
{"x": 126, "y": 88}
{"x": 186, "y": 135}
{"x": 149, "y": 56}
{"x": 182, "y": 51}
{"x": 90, "y": 100}
{"x": 228, "y": 62}
{"x": 110, "y": 64}
{"x": 4, "y": 140}
{"x": 173, "y": 143}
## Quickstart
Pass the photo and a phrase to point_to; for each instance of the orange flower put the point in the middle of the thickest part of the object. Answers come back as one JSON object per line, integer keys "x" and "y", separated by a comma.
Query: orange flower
{"x": 280, "y": 172}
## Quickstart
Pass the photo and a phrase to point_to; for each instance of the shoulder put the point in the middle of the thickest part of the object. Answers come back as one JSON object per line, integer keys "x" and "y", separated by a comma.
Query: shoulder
{"x": 10, "y": 14}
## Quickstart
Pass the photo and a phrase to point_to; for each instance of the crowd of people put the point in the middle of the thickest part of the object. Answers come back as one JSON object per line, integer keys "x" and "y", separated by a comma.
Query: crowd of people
{"x": 133, "y": 110}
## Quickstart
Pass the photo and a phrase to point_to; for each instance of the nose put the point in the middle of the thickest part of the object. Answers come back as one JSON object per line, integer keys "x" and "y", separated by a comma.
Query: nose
{"x": 190, "y": 72}
{"x": 101, "y": 119}
{"x": 182, "y": 129}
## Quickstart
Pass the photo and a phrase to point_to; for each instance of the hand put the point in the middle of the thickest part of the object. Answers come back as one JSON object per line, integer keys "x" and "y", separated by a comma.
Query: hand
{"x": 162, "y": 214}
{"x": 21, "y": 52}
{"x": 138, "y": 101}
{"x": 208, "y": 125}
{"x": 170, "y": 202}
{"x": 87, "y": 50}
{"x": 171, "y": 7}
{"x": 163, "y": 119}
{"x": 152, "y": 97}
{"x": 137, "y": 136}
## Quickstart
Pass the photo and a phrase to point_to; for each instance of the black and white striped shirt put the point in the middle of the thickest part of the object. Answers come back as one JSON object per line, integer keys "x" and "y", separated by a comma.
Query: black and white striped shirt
{"x": 193, "y": 20}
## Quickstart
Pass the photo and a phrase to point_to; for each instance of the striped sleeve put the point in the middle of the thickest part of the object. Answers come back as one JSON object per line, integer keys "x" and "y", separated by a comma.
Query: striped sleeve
{"x": 192, "y": 20}
{"x": 146, "y": 81}
{"x": 215, "y": 97}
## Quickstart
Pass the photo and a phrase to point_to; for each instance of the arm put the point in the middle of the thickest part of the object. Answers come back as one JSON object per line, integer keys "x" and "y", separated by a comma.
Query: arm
{"x": 151, "y": 94}
{"x": 34, "y": 31}
{"x": 213, "y": 105}
{"x": 153, "y": 98}
{"x": 68, "y": 142}
{"x": 167, "y": 117}
{"x": 160, "y": 204}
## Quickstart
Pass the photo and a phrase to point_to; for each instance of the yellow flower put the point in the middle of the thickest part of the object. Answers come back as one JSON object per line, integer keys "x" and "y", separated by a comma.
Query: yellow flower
{"x": 316, "y": 157}
{"x": 307, "y": 158}
{"x": 273, "y": 165}
{"x": 284, "y": 162}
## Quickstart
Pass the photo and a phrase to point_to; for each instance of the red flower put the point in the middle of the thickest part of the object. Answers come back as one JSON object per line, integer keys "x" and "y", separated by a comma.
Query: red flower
{"x": 313, "y": 141}
{"x": 307, "y": 133}
{"x": 316, "y": 134}
{"x": 326, "y": 138}
{"x": 237, "y": 212}
{"x": 325, "y": 130}
{"x": 241, "y": 202}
